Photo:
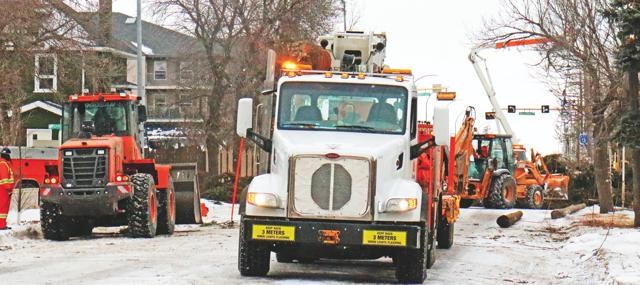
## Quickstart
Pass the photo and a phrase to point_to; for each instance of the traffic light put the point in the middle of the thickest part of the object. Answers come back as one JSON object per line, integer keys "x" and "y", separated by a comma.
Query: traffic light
{"x": 545, "y": 109}
{"x": 511, "y": 108}
{"x": 490, "y": 115}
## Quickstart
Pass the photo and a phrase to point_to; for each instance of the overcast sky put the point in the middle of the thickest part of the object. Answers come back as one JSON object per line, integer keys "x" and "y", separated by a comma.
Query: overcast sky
{"x": 435, "y": 37}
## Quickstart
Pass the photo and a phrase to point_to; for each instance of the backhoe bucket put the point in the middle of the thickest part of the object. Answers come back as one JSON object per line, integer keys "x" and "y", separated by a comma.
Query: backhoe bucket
{"x": 185, "y": 182}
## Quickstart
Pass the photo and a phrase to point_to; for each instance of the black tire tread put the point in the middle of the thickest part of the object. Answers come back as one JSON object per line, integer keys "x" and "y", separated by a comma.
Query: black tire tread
{"x": 495, "y": 199}
{"x": 139, "y": 220}
{"x": 53, "y": 224}
{"x": 529, "y": 201}
{"x": 411, "y": 264}
{"x": 253, "y": 259}
{"x": 166, "y": 226}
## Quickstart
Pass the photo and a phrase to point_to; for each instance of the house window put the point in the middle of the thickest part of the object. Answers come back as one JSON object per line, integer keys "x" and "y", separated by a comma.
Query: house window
{"x": 46, "y": 73}
{"x": 160, "y": 99}
{"x": 185, "y": 101}
{"x": 160, "y": 70}
{"x": 186, "y": 71}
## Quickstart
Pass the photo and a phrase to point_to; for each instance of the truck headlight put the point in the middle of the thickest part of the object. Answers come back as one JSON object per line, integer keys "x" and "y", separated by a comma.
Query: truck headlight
{"x": 267, "y": 200}
{"x": 401, "y": 204}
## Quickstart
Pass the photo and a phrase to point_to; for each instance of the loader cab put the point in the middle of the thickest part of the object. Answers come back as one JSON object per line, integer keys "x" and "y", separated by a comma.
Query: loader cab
{"x": 498, "y": 148}
{"x": 100, "y": 115}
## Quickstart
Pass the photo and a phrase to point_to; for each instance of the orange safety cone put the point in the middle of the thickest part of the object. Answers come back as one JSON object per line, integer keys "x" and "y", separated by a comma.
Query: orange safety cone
{"x": 204, "y": 210}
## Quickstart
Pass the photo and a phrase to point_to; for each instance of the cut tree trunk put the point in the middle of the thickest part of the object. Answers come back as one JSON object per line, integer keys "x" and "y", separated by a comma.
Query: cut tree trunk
{"x": 508, "y": 220}
{"x": 560, "y": 213}
{"x": 601, "y": 171}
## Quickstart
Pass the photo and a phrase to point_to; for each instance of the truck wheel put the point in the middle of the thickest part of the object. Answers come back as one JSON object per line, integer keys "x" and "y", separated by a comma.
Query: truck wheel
{"x": 166, "y": 211}
{"x": 534, "y": 198}
{"x": 502, "y": 194}
{"x": 466, "y": 203}
{"x": 411, "y": 264}
{"x": 142, "y": 210}
{"x": 431, "y": 252}
{"x": 253, "y": 259}
{"x": 53, "y": 224}
{"x": 445, "y": 233}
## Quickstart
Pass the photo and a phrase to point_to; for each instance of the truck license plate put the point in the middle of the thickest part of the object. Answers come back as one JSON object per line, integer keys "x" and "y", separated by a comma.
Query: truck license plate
{"x": 267, "y": 232}
{"x": 386, "y": 238}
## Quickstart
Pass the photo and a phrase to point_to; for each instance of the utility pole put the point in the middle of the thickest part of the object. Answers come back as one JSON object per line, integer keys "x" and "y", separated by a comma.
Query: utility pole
{"x": 344, "y": 14}
{"x": 140, "y": 70}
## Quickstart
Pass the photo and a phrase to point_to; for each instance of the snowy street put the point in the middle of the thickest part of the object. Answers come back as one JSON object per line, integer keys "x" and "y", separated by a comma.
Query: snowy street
{"x": 537, "y": 250}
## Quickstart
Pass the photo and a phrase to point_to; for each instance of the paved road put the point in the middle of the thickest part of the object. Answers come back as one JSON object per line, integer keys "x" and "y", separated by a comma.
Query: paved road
{"x": 529, "y": 252}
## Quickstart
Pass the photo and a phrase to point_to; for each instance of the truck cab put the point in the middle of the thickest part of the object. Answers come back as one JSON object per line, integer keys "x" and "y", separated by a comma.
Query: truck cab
{"x": 341, "y": 182}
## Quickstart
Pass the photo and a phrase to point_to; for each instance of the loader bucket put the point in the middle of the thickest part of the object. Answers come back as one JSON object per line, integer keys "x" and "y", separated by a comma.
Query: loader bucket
{"x": 185, "y": 182}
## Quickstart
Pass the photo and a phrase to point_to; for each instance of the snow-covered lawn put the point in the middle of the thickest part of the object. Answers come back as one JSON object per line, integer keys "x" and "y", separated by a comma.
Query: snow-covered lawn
{"x": 536, "y": 250}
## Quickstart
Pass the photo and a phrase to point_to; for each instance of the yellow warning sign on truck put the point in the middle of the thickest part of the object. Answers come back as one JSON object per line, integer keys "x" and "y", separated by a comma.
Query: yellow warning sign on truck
{"x": 386, "y": 238}
{"x": 268, "y": 232}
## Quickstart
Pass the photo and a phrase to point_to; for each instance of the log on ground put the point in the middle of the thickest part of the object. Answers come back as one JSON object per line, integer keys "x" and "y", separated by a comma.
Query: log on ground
{"x": 560, "y": 213}
{"x": 508, "y": 220}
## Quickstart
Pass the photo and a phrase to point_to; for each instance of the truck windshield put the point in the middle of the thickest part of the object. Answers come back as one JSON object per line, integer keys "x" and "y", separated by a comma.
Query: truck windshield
{"x": 105, "y": 118}
{"x": 368, "y": 108}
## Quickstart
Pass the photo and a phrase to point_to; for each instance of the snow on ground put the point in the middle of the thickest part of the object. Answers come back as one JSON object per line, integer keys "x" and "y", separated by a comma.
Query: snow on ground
{"x": 536, "y": 250}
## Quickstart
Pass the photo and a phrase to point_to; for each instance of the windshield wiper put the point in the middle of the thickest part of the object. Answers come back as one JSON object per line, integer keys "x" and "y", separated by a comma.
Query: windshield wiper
{"x": 306, "y": 125}
{"x": 356, "y": 127}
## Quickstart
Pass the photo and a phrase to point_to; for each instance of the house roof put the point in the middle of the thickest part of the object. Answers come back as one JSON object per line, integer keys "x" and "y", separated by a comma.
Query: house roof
{"x": 157, "y": 41}
{"x": 45, "y": 105}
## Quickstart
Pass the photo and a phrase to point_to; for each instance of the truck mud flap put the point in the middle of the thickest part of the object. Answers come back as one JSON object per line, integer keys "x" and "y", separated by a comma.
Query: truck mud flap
{"x": 185, "y": 182}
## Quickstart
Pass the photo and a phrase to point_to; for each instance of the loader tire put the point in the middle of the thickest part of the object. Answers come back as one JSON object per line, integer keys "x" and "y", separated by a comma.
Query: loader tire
{"x": 466, "y": 203}
{"x": 411, "y": 264}
{"x": 54, "y": 225}
{"x": 142, "y": 209}
{"x": 166, "y": 211}
{"x": 502, "y": 193}
{"x": 534, "y": 198}
{"x": 253, "y": 258}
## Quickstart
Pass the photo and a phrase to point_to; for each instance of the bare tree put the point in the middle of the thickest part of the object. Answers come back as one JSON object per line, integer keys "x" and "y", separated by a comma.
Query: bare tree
{"x": 234, "y": 36}
{"x": 582, "y": 41}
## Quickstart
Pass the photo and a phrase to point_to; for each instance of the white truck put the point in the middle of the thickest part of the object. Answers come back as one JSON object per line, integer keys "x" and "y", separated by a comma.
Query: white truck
{"x": 343, "y": 181}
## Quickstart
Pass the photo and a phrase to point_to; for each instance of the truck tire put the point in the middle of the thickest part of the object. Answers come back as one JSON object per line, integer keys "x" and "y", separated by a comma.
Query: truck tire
{"x": 502, "y": 193}
{"x": 534, "y": 198}
{"x": 53, "y": 224}
{"x": 142, "y": 209}
{"x": 445, "y": 233}
{"x": 431, "y": 252}
{"x": 411, "y": 264}
{"x": 466, "y": 203}
{"x": 166, "y": 211}
{"x": 253, "y": 259}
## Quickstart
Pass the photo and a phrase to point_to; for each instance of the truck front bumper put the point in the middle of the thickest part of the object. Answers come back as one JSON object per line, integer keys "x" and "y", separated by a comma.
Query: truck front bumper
{"x": 86, "y": 201}
{"x": 331, "y": 233}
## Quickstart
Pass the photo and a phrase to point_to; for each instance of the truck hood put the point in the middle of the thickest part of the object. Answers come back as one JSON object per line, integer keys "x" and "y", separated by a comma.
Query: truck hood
{"x": 343, "y": 143}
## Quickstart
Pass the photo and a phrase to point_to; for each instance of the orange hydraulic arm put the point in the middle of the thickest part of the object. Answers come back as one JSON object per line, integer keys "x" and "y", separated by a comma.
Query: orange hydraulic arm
{"x": 463, "y": 150}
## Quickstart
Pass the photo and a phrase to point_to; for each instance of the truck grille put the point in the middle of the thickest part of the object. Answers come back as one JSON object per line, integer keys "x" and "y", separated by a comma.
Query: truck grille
{"x": 323, "y": 188}
{"x": 84, "y": 168}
